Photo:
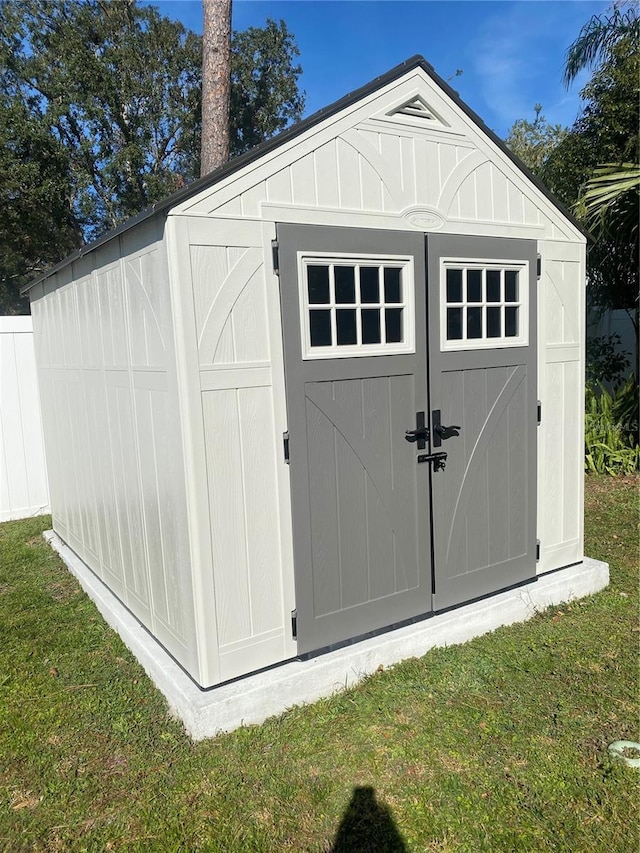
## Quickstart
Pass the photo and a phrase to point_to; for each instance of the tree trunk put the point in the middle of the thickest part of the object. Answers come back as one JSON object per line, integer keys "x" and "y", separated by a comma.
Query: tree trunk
{"x": 216, "y": 84}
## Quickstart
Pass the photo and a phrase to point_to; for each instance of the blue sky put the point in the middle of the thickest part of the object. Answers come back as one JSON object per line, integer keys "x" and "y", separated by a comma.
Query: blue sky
{"x": 511, "y": 52}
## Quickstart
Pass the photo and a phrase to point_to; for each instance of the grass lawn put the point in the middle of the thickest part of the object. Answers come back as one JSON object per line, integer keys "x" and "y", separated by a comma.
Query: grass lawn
{"x": 497, "y": 745}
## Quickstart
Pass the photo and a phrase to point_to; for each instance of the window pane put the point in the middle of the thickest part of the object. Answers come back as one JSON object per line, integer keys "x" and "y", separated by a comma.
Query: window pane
{"x": 369, "y": 285}
{"x": 511, "y": 286}
{"x": 494, "y": 323}
{"x": 346, "y": 326}
{"x": 474, "y": 323}
{"x": 454, "y": 285}
{"x": 318, "y": 284}
{"x": 393, "y": 325}
{"x": 493, "y": 286}
{"x": 345, "y": 280}
{"x": 511, "y": 322}
{"x": 454, "y": 324}
{"x": 370, "y": 326}
{"x": 320, "y": 324}
{"x": 392, "y": 285}
{"x": 474, "y": 285}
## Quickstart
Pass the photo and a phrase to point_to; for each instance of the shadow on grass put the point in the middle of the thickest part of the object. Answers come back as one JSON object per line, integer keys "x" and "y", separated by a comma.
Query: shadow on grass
{"x": 367, "y": 827}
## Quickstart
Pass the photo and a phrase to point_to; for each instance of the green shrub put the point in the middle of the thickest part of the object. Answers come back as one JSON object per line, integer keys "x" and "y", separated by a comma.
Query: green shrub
{"x": 606, "y": 362}
{"x": 611, "y": 429}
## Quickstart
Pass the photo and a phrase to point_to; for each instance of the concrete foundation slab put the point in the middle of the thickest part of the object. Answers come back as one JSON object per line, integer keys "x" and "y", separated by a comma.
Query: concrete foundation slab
{"x": 252, "y": 699}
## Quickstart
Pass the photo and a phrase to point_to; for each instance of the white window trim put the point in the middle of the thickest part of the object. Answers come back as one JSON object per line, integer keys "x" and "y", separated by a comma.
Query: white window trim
{"x": 403, "y": 262}
{"x": 522, "y": 340}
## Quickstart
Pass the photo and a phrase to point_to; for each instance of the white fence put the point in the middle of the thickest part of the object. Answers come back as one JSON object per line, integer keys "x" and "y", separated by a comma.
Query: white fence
{"x": 23, "y": 475}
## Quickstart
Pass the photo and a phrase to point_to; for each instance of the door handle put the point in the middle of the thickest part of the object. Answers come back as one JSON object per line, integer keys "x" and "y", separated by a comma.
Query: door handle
{"x": 420, "y": 434}
{"x": 416, "y": 434}
{"x": 441, "y": 432}
{"x": 447, "y": 432}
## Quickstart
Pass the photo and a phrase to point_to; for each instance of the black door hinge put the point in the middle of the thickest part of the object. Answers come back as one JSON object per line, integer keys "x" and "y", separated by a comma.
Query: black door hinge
{"x": 275, "y": 256}
{"x": 537, "y": 550}
{"x": 539, "y": 412}
{"x": 285, "y": 442}
{"x": 539, "y": 266}
{"x": 294, "y": 624}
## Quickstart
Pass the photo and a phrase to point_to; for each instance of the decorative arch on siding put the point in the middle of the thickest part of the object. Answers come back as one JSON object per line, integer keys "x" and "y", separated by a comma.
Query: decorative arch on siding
{"x": 238, "y": 278}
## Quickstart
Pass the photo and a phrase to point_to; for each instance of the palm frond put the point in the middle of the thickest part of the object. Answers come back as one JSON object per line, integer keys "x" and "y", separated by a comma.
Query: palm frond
{"x": 611, "y": 197}
{"x": 597, "y": 38}
{"x": 607, "y": 184}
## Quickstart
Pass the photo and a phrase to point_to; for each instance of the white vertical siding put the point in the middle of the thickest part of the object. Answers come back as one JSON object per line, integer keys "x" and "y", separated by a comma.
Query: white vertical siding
{"x": 350, "y": 183}
{"x": 561, "y": 311}
{"x": 378, "y": 173}
{"x": 23, "y": 474}
{"x": 112, "y": 430}
{"x": 231, "y": 319}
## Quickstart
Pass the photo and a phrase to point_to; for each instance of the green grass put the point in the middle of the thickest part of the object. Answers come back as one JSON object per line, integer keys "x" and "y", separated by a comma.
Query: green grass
{"x": 497, "y": 745}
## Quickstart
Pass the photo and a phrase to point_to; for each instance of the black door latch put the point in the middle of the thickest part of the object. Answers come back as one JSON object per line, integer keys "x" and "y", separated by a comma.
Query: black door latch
{"x": 441, "y": 432}
{"x": 420, "y": 433}
{"x": 438, "y": 460}
{"x": 446, "y": 432}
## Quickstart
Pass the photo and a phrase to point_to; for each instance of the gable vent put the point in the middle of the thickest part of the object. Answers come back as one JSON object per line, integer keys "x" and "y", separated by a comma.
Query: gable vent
{"x": 416, "y": 108}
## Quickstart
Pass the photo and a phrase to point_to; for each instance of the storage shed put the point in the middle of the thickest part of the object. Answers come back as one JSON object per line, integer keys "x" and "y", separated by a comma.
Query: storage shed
{"x": 334, "y": 387}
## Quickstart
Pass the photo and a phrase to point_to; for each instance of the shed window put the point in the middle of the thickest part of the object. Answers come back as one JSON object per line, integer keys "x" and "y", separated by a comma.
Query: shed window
{"x": 483, "y": 304}
{"x": 356, "y": 306}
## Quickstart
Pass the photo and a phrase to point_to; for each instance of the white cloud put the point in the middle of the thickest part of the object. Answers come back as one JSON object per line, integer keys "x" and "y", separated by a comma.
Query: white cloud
{"x": 517, "y": 57}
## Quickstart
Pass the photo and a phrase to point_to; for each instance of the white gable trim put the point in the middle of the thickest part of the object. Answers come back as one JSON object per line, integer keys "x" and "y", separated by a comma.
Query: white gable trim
{"x": 461, "y": 130}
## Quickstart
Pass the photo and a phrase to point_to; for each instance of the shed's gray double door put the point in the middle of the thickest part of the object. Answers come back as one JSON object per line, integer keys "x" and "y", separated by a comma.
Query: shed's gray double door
{"x": 380, "y": 536}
